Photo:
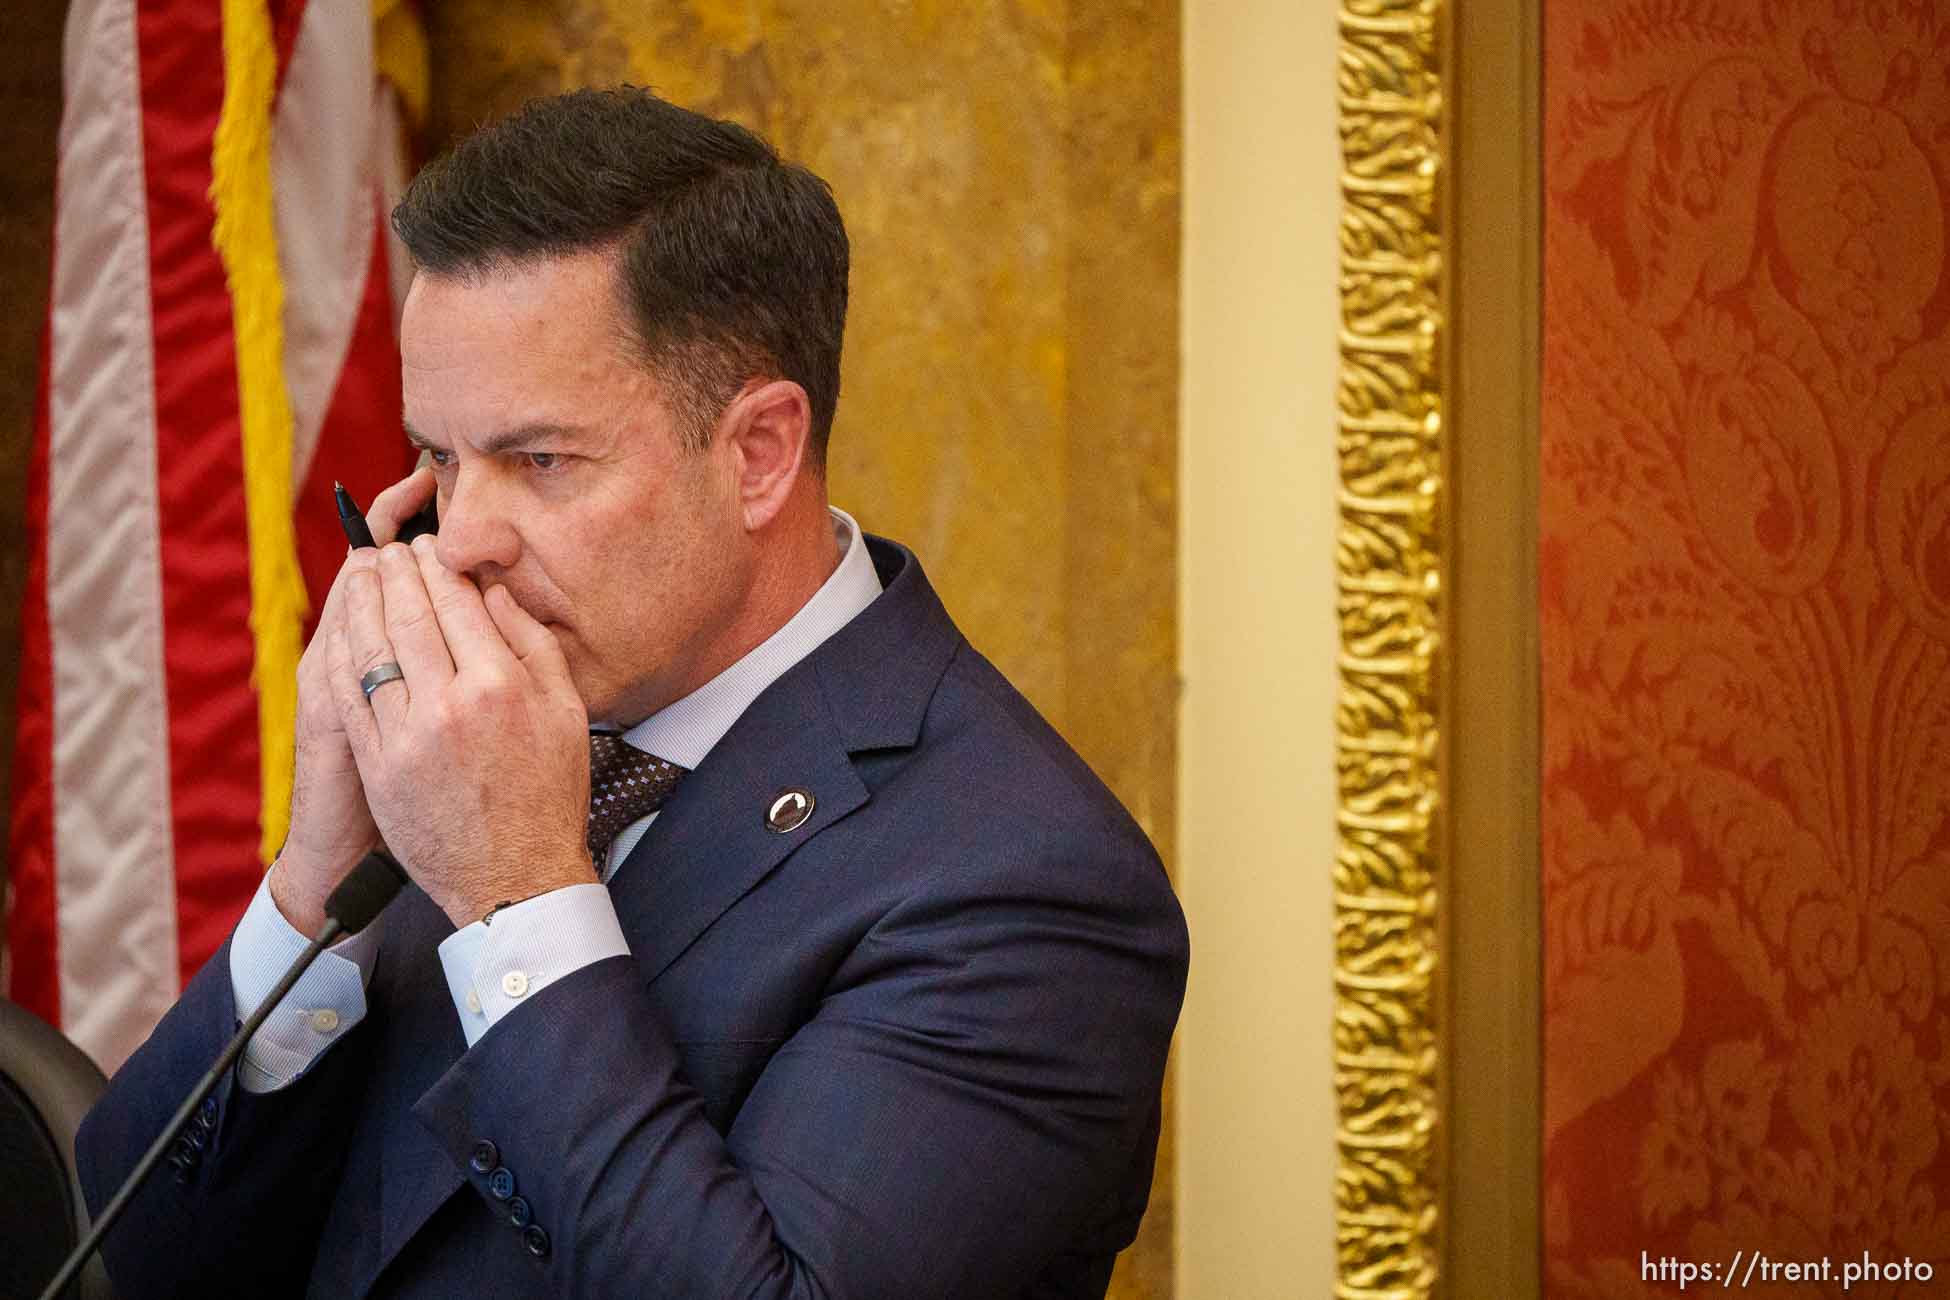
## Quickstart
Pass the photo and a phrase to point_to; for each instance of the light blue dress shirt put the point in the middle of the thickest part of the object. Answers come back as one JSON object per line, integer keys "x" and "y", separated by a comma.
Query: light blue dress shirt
{"x": 491, "y": 969}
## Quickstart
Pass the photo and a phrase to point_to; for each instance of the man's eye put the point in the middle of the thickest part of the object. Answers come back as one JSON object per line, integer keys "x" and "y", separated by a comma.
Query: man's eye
{"x": 544, "y": 460}
{"x": 440, "y": 459}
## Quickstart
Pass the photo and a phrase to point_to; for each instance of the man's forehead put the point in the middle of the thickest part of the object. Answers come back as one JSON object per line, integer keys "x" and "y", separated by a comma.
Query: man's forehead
{"x": 563, "y": 311}
{"x": 518, "y": 355}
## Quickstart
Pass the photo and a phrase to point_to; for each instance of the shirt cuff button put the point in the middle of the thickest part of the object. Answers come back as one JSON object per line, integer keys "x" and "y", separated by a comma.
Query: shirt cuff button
{"x": 474, "y": 1002}
{"x": 514, "y": 983}
{"x": 326, "y": 1021}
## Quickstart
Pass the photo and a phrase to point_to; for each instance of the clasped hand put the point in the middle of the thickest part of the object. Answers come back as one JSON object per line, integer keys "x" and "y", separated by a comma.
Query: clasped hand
{"x": 475, "y": 764}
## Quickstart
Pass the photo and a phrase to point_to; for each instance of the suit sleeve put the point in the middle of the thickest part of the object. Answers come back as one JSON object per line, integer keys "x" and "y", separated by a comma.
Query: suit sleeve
{"x": 237, "y": 1208}
{"x": 979, "y": 1079}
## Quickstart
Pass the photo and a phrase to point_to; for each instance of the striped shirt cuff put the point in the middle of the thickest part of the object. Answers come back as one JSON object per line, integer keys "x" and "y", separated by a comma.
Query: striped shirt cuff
{"x": 322, "y": 1007}
{"x": 492, "y": 969}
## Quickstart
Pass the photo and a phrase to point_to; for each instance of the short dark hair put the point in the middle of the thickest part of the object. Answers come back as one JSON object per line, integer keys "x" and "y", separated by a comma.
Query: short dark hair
{"x": 733, "y": 262}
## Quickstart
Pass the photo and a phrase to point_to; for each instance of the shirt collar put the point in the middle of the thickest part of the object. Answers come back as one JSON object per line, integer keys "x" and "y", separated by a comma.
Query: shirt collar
{"x": 684, "y": 731}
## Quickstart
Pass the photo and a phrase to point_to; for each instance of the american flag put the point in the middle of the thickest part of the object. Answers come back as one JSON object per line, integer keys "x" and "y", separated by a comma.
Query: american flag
{"x": 220, "y": 346}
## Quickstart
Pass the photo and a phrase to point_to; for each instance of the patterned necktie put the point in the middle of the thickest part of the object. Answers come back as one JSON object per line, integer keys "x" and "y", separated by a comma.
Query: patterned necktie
{"x": 624, "y": 784}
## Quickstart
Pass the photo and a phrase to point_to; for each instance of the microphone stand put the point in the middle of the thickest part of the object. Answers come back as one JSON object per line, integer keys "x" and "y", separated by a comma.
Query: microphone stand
{"x": 357, "y": 900}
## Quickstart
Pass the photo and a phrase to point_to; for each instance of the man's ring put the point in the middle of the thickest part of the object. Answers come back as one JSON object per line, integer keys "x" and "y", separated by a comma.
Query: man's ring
{"x": 379, "y": 676}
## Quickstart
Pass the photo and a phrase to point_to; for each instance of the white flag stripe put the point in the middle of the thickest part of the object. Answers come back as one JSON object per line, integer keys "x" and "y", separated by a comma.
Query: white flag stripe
{"x": 321, "y": 156}
{"x": 114, "y": 856}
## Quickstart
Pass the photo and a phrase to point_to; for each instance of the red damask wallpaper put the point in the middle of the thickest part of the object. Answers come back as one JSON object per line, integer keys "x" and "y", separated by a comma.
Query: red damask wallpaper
{"x": 1745, "y": 587}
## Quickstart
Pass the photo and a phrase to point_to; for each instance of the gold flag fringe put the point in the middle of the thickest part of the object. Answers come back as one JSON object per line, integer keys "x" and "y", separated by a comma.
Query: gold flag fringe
{"x": 246, "y": 240}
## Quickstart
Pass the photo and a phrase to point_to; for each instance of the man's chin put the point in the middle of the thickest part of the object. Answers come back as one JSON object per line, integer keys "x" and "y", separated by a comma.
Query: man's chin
{"x": 608, "y": 703}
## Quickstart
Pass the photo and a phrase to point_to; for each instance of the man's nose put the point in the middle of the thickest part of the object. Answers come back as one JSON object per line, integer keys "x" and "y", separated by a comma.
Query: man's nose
{"x": 477, "y": 531}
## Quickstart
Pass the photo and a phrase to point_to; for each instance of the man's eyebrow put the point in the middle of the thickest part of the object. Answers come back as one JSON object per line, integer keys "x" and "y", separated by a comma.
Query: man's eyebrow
{"x": 518, "y": 438}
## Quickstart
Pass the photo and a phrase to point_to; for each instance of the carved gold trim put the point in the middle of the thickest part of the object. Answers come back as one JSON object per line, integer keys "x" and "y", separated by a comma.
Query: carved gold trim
{"x": 1387, "y": 1038}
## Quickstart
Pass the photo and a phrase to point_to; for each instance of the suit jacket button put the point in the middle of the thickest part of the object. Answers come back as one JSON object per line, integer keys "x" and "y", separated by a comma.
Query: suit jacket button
{"x": 536, "y": 1240}
{"x": 206, "y": 1114}
{"x": 520, "y": 1213}
{"x": 501, "y": 1183}
{"x": 485, "y": 1157}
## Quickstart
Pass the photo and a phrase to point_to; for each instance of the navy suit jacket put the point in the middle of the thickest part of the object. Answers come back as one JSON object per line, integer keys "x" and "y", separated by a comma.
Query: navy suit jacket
{"x": 912, "y": 1048}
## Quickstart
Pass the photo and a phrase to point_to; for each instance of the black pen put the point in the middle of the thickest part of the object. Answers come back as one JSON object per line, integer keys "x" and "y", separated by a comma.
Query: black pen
{"x": 350, "y": 519}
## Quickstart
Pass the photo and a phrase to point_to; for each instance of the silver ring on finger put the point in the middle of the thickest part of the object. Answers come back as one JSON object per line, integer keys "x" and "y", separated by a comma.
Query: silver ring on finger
{"x": 378, "y": 677}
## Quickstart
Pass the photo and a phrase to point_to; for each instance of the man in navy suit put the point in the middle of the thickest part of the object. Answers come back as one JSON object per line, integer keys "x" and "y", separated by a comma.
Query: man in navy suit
{"x": 762, "y": 940}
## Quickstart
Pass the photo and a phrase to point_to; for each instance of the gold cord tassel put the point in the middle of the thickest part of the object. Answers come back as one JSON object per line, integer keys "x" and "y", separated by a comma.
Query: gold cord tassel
{"x": 246, "y": 240}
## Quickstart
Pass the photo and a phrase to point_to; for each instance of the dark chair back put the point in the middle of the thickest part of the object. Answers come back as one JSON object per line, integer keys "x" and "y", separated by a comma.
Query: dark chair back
{"x": 46, "y": 1085}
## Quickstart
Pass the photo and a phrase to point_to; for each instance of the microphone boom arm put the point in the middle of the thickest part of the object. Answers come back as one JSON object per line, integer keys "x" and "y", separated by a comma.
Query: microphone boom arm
{"x": 358, "y": 898}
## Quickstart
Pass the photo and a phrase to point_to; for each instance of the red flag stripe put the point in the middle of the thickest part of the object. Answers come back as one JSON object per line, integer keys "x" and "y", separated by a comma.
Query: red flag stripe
{"x": 205, "y": 541}
{"x": 323, "y": 175}
{"x": 361, "y": 443}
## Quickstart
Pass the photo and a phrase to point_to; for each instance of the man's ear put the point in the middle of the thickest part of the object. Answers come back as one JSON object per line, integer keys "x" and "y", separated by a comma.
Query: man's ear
{"x": 768, "y": 430}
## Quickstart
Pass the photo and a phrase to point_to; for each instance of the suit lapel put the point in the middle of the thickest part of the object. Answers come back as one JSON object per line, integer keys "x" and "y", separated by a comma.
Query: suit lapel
{"x": 866, "y": 687}
{"x": 711, "y": 844}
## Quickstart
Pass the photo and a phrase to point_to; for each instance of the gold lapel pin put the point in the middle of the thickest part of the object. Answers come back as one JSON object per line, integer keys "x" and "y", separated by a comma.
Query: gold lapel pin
{"x": 789, "y": 810}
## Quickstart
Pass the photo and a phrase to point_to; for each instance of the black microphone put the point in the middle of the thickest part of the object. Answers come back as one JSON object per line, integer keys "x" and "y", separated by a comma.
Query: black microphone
{"x": 361, "y": 896}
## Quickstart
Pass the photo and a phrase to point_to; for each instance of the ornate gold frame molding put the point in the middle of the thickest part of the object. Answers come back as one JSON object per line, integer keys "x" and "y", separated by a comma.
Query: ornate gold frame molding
{"x": 1387, "y": 1033}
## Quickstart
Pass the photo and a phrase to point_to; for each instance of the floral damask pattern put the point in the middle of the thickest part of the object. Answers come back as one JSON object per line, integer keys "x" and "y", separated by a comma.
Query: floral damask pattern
{"x": 1745, "y": 598}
